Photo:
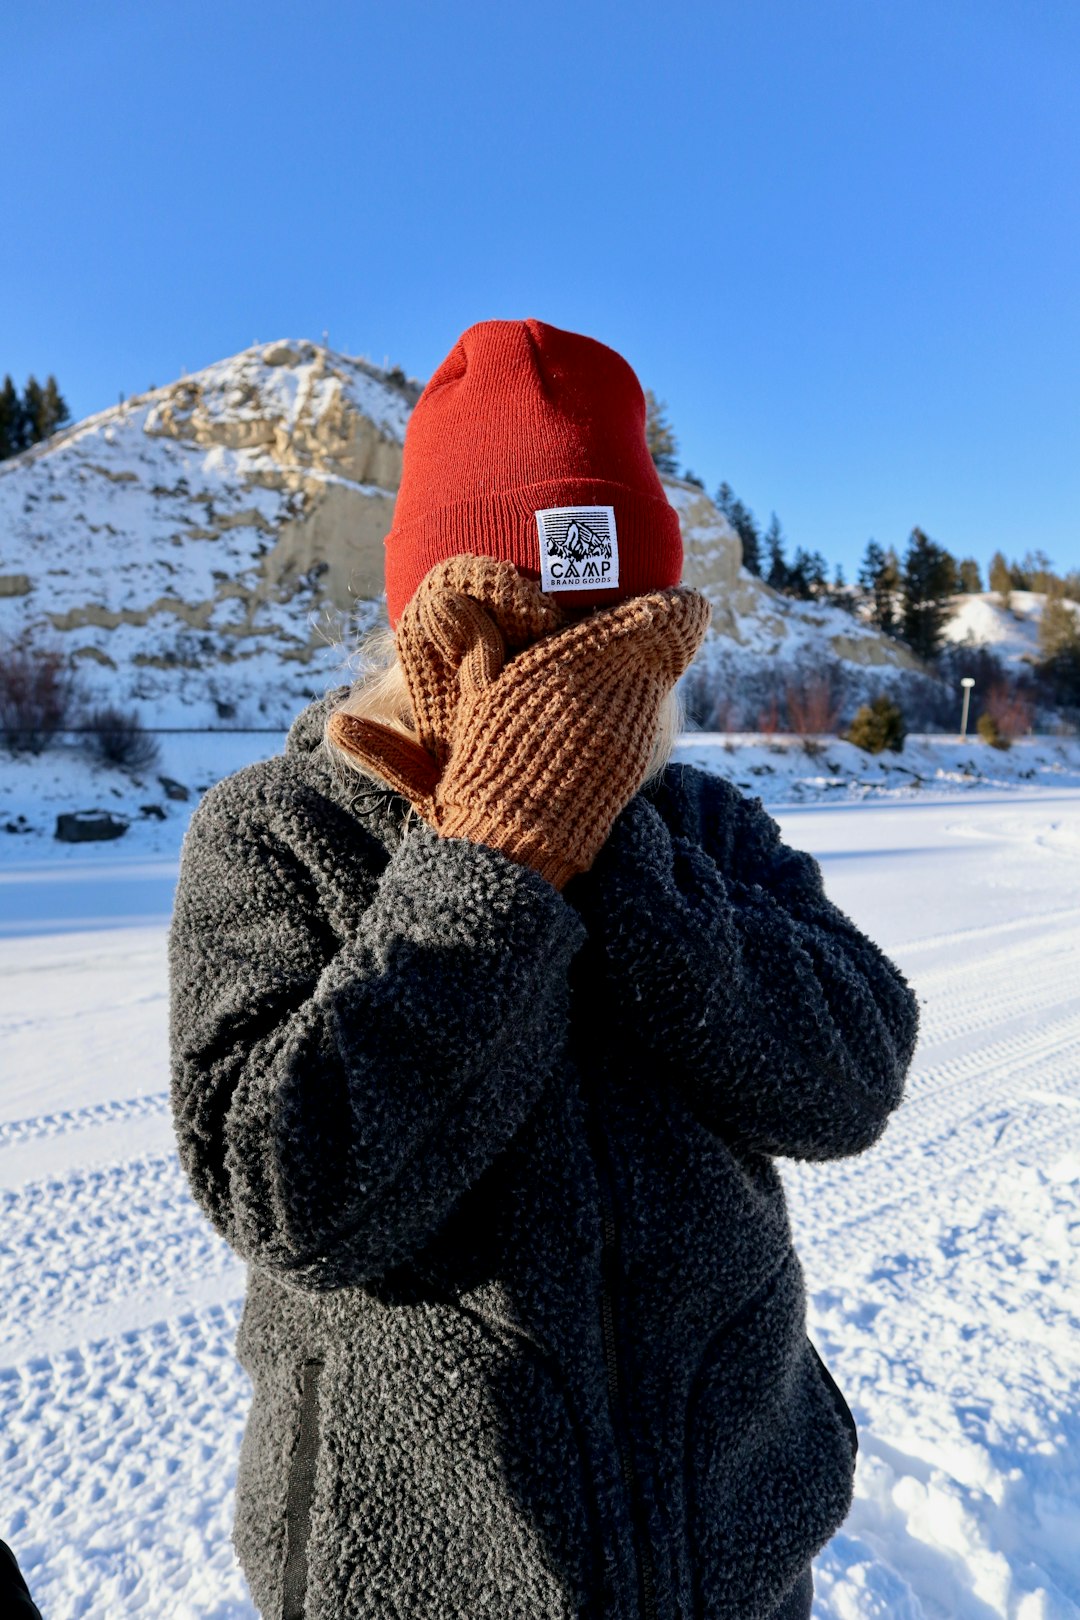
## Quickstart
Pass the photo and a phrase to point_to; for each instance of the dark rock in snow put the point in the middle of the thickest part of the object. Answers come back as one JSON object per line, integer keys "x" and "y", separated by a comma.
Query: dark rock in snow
{"x": 173, "y": 789}
{"x": 89, "y": 826}
{"x": 154, "y": 810}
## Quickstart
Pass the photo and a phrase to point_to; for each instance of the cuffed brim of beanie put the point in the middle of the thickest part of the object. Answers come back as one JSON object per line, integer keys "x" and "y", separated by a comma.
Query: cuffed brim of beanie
{"x": 503, "y": 525}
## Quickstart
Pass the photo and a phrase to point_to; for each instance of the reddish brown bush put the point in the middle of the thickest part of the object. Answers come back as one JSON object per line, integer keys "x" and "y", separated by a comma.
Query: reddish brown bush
{"x": 811, "y": 705}
{"x": 724, "y": 715}
{"x": 768, "y": 720}
{"x": 37, "y": 695}
{"x": 1010, "y": 710}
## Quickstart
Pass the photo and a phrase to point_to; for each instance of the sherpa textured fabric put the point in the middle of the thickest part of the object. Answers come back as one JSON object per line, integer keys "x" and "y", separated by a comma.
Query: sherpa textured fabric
{"x": 592, "y": 690}
{"x": 524, "y": 1321}
{"x": 520, "y": 417}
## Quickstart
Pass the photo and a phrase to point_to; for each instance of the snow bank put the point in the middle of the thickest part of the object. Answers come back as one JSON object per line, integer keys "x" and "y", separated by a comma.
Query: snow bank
{"x": 783, "y": 769}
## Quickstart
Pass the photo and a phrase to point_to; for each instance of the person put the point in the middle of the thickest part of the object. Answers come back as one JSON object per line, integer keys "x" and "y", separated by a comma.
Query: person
{"x": 488, "y": 1024}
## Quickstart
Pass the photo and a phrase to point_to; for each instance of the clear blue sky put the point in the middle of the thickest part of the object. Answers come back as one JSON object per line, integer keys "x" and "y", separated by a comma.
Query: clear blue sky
{"x": 840, "y": 238}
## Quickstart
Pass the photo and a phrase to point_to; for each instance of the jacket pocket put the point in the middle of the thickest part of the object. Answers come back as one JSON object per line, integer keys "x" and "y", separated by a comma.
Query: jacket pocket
{"x": 300, "y": 1490}
{"x": 454, "y": 1480}
{"x": 768, "y": 1460}
{"x": 842, "y": 1407}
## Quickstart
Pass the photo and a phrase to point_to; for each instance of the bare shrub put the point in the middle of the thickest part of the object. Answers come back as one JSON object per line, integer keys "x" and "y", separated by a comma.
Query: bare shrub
{"x": 768, "y": 720}
{"x": 811, "y": 704}
{"x": 1011, "y": 710}
{"x": 116, "y": 738}
{"x": 38, "y": 691}
{"x": 697, "y": 689}
{"x": 725, "y": 713}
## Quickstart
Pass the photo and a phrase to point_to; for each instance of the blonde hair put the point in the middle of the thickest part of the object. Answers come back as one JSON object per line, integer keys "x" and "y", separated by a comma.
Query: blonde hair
{"x": 381, "y": 693}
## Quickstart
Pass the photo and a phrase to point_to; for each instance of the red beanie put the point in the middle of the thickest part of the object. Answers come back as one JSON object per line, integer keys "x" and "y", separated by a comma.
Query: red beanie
{"x": 528, "y": 444}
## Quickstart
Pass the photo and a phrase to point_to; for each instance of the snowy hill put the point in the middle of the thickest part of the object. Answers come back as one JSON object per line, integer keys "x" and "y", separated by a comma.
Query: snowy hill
{"x": 208, "y": 550}
{"x": 188, "y": 545}
{"x": 980, "y": 620}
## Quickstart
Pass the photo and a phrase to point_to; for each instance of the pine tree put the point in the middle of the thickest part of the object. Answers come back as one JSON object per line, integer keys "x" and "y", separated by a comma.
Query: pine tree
{"x": 1034, "y": 572}
{"x": 1001, "y": 578}
{"x": 871, "y": 565}
{"x": 779, "y": 574}
{"x": 970, "y": 579}
{"x": 838, "y": 594}
{"x": 33, "y": 396}
{"x": 817, "y": 571}
{"x": 54, "y": 411}
{"x": 879, "y": 574}
{"x": 12, "y": 426}
{"x": 798, "y": 585}
{"x": 878, "y": 725}
{"x": 742, "y": 521}
{"x": 1059, "y": 626}
{"x": 928, "y": 579}
{"x": 660, "y": 436}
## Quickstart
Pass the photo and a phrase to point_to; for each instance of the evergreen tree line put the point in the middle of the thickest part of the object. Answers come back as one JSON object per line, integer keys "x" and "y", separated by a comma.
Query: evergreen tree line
{"x": 31, "y": 416}
{"x": 904, "y": 597}
{"x": 1034, "y": 572}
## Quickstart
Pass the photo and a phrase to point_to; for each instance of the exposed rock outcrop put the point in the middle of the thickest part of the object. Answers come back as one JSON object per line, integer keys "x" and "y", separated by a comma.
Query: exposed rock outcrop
{"x": 212, "y": 539}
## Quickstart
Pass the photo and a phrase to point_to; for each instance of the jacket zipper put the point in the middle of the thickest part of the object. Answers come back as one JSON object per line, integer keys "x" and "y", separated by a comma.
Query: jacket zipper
{"x": 299, "y": 1492}
{"x": 608, "y": 1254}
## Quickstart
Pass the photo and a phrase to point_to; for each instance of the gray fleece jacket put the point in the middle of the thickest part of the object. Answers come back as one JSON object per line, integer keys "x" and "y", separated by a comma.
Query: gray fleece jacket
{"x": 524, "y": 1321}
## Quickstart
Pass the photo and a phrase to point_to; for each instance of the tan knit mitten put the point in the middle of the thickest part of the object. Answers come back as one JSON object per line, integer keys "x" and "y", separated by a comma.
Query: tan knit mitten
{"x": 535, "y": 755}
{"x": 467, "y": 613}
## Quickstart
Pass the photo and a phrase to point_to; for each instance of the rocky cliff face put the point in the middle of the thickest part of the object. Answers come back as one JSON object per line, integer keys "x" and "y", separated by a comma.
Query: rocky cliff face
{"x": 201, "y": 549}
{"x": 208, "y": 552}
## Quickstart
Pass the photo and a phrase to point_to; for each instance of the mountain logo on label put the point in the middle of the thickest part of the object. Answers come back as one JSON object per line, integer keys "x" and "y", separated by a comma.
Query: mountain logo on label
{"x": 579, "y": 548}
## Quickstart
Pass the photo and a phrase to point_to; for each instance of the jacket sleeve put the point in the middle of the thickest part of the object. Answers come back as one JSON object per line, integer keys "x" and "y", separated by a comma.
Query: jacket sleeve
{"x": 332, "y": 1100}
{"x": 786, "y": 1027}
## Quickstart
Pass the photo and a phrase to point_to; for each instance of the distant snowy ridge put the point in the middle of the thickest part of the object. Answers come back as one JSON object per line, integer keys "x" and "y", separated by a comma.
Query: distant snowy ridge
{"x": 1012, "y": 633}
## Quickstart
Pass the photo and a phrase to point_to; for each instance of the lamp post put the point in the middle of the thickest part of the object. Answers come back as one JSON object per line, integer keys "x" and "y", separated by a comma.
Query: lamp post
{"x": 967, "y": 682}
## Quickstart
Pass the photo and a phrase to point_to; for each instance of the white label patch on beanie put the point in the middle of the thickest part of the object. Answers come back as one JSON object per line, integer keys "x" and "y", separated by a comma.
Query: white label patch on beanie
{"x": 579, "y": 549}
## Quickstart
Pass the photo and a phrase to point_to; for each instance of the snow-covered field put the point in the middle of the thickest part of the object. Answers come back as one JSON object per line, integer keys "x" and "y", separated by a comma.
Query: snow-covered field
{"x": 942, "y": 1266}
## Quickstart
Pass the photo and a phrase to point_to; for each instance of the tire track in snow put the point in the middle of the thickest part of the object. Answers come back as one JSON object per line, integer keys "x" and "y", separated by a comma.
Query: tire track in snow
{"x": 936, "y": 1090}
{"x": 964, "y": 1017}
{"x": 60, "y": 1019}
{"x": 80, "y": 1119}
{"x": 1008, "y": 1095}
{"x": 969, "y": 936}
{"x": 138, "y": 1436}
{"x": 94, "y": 1240}
{"x": 947, "y": 1130}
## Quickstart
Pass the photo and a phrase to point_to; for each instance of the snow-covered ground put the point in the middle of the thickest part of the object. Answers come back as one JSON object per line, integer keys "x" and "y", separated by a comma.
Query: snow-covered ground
{"x": 34, "y": 790}
{"x": 942, "y": 1266}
